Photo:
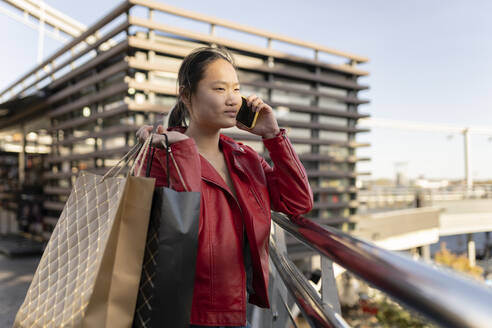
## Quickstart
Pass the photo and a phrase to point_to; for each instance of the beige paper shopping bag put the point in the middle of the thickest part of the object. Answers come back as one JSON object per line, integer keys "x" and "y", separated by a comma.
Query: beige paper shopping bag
{"x": 89, "y": 273}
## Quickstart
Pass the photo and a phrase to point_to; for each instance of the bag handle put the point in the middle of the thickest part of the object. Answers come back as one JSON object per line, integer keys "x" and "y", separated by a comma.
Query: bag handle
{"x": 150, "y": 159}
{"x": 137, "y": 150}
{"x": 168, "y": 150}
{"x": 140, "y": 155}
{"x": 127, "y": 158}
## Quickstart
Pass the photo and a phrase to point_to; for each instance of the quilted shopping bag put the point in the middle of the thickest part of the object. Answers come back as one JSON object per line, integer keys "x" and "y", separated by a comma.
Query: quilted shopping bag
{"x": 90, "y": 270}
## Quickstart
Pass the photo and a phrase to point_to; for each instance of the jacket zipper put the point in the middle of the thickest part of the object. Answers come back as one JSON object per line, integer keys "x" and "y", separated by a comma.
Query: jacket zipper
{"x": 292, "y": 155}
{"x": 257, "y": 199}
{"x": 255, "y": 195}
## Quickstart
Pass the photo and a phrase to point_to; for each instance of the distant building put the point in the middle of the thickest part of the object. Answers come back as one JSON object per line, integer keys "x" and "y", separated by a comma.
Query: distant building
{"x": 85, "y": 105}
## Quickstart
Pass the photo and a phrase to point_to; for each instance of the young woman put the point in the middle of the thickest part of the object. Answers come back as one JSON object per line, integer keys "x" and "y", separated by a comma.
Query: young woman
{"x": 238, "y": 187}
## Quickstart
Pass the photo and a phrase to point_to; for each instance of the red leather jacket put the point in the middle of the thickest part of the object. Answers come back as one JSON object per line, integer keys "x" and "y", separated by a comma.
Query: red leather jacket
{"x": 219, "y": 296}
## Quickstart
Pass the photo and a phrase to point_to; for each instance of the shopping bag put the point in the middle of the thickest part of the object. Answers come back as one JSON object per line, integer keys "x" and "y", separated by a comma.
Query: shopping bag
{"x": 89, "y": 273}
{"x": 168, "y": 272}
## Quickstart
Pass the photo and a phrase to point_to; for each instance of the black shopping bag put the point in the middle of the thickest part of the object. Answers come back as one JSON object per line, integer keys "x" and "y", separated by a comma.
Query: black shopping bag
{"x": 168, "y": 272}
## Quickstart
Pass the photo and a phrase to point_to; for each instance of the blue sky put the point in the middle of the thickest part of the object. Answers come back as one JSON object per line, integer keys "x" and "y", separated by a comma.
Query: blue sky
{"x": 429, "y": 62}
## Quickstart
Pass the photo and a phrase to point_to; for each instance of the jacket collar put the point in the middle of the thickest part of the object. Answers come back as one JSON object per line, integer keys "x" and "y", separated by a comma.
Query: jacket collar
{"x": 230, "y": 149}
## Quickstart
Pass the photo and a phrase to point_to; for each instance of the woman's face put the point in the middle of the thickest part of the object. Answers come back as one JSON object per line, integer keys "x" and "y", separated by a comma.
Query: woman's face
{"x": 217, "y": 99}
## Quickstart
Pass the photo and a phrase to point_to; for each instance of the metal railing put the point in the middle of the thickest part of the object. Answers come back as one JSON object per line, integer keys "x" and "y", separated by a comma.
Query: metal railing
{"x": 318, "y": 313}
{"x": 442, "y": 296}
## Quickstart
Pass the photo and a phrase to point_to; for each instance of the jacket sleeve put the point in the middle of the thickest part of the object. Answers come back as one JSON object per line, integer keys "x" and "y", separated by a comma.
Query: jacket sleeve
{"x": 184, "y": 166}
{"x": 288, "y": 184}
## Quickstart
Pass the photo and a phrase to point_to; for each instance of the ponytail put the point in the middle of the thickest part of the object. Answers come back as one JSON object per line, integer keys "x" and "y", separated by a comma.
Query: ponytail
{"x": 178, "y": 115}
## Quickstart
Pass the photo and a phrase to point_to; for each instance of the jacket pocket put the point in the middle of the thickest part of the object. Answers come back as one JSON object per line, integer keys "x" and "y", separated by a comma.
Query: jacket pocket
{"x": 258, "y": 200}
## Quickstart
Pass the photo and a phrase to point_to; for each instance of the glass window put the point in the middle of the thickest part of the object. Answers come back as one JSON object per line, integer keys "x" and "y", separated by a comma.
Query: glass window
{"x": 298, "y": 133}
{"x": 302, "y": 149}
{"x": 310, "y": 165}
{"x": 333, "y": 198}
{"x": 117, "y": 120}
{"x": 111, "y": 162}
{"x": 115, "y": 142}
{"x": 291, "y": 98}
{"x": 334, "y": 150}
{"x": 245, "y": 76}
{"x": 171, "y": 62}
{"x": 334, "y": 183}
{"x": 333, "y": 91}
{"x": 167, "y": 102}
{"x": 83, "y": 164}
{"x": 247, "y": 90}
{"x": 292, "y": 83}
{"x": 332, "y": 103}
{"x": 63, "y": 183}
{"x": 82, "y": 148}
{"x": 339, "y": 121}
{"x": 65, "y": 167}
{"x": 140, "y": 97}
{"x": 338, "y": 167}
{"x": 291, "y": 116}
{"x": 111, "y": 104}
{"x": 80, "y": 132}
{"x": 332, "y": 213}
{"x": 336, "y": 75}
{"x": 333, "y": 135}
{"x": 64, "y": 151}
{"x": 88, "y": 90}
{"x": 114, "y": 79}
{"x": 168, "y": 79}
{"x": 294, "y": 67}
{"x": 90, "y": 126}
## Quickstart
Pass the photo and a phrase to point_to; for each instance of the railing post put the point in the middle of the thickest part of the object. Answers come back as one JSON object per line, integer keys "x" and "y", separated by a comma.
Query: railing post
{"x": 329, "y": 290}
{"x": 279, "y": 291}
{"x": 471, "y": 249}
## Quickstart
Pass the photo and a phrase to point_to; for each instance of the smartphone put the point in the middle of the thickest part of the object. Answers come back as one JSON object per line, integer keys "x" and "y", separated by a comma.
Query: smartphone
{"x": 246, "y": 115}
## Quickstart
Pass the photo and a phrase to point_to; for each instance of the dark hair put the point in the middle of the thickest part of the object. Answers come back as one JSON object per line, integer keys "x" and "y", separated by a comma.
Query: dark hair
{"x": 190, "y": 74}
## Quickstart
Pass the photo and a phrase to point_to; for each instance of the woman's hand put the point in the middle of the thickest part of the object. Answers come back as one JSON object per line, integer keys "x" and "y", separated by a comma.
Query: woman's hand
{"x": 266, "y": 124}
{"x": 158, "y": 140}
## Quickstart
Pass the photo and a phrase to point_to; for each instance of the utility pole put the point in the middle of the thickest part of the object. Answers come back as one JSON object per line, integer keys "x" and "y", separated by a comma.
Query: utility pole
{"x": 468, "y": 175}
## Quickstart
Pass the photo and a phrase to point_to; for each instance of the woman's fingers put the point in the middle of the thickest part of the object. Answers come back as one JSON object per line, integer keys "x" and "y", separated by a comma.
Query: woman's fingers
{"x": 143, "y": 132}
{"x": 241, "y": 126}
{"x": 255, "y": 103}
{"x": 158, "y": 139}
{"x": 250, "y": 99}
